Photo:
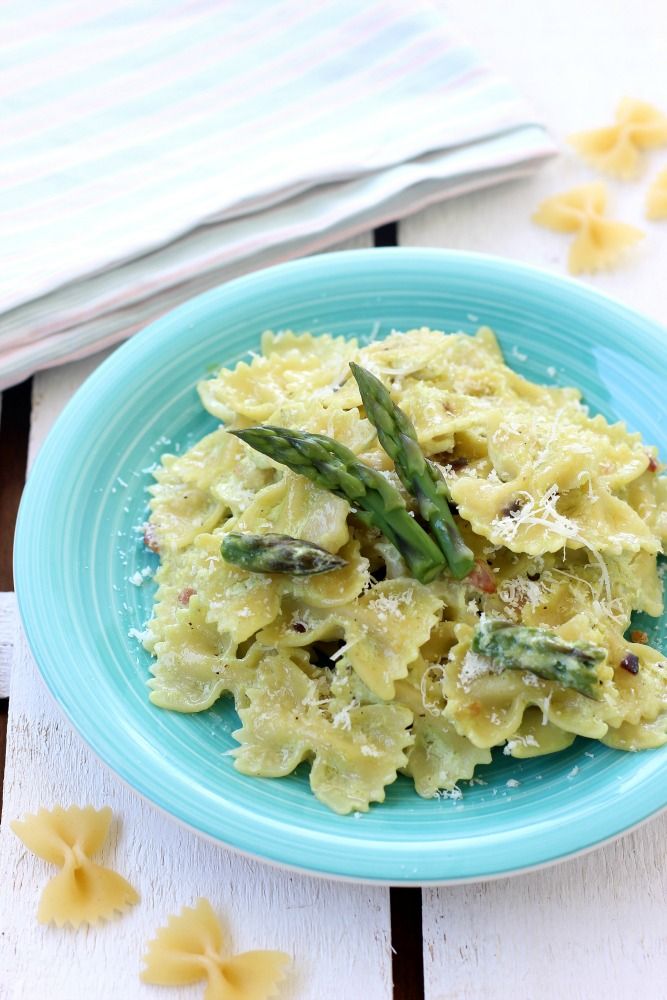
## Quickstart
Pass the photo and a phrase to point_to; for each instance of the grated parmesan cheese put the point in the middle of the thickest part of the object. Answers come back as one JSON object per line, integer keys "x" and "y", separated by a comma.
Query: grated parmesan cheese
{"x": 386, "y": 604}
{"x": 342, "y": 720}
{"x": 518, "y": 591}
{"x": 451, "y": 793}
{"x": 140, "y": 636}
{"x": 473, "y": 667}
{"x": 519, "y": 741}
{"x": 344, "y": 648}
{"x": 543, "y": 512}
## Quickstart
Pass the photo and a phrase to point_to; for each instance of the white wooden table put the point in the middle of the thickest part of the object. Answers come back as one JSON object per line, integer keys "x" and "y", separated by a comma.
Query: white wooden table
{"x": 589, "y": 928}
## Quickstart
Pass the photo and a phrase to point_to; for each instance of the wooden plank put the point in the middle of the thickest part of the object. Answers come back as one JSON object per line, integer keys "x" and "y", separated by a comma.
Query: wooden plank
{"x": 594, "y": 926}
{"x": 339, "y": 934}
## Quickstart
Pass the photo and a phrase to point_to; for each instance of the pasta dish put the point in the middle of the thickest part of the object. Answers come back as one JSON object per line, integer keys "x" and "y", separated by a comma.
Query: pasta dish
{"x": 397, "y": 557}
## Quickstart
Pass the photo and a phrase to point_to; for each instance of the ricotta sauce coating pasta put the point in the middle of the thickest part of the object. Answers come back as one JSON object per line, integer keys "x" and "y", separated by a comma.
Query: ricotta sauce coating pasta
{"x": 363, "y": 671}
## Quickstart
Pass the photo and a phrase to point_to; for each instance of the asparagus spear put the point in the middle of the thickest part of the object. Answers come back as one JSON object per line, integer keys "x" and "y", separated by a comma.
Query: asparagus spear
{"x": 519, "y": 647}
{"x": 420, "y": 477}
{"x": 273, "y": 553}
{"x": 334, "y": 467}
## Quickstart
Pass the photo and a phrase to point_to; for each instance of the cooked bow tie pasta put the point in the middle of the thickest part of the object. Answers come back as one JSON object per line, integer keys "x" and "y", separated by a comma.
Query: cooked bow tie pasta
{"x": 485, "y": 578}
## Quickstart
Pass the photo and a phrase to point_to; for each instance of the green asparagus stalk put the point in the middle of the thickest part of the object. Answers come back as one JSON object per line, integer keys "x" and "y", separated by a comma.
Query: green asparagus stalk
{"x": 273, "y": 553}
{"x": 333, "y": 467}
{"x": 519, "y": 647}
{"x": 419, "y": 476}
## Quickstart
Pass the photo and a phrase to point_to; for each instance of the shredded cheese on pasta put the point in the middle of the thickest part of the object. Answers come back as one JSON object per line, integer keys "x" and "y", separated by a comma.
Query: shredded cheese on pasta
{"x": 364, "y": 672}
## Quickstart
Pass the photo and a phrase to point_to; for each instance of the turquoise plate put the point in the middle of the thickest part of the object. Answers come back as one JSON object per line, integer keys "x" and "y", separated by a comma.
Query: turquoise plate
{"x": 78, "y": 543}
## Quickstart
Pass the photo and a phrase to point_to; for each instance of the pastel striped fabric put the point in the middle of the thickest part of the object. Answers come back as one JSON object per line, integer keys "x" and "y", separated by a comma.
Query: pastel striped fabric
{"x": 149, "y": 150}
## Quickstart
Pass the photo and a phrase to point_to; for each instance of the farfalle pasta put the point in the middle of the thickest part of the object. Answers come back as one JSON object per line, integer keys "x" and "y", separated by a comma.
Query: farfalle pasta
{"x": 82, "y": 892}
{"x": 191, "y": 949}
{"x": 656, "y": 197}
{"x": 355, "y": 749}
{"x": 366, "y": 672}
{"x": 599, "y": 241}
{"x": 616, "y": 149}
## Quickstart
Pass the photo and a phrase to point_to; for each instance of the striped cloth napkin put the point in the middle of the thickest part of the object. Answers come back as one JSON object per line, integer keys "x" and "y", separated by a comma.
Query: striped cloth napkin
{"x": 152, "y": 150}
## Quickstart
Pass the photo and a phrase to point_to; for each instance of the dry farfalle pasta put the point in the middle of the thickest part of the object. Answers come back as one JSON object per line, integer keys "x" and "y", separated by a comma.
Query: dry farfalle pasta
{"x": 656, "y": 197}
{"x": 599, "y": 241}
{"x": 190, "y": 949}
{"x": 82, "y": 892}
{"x": 616, "y": 148}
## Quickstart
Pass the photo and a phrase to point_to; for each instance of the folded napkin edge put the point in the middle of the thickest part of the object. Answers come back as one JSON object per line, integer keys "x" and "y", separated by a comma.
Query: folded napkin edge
{"x": 60, "y": 348}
